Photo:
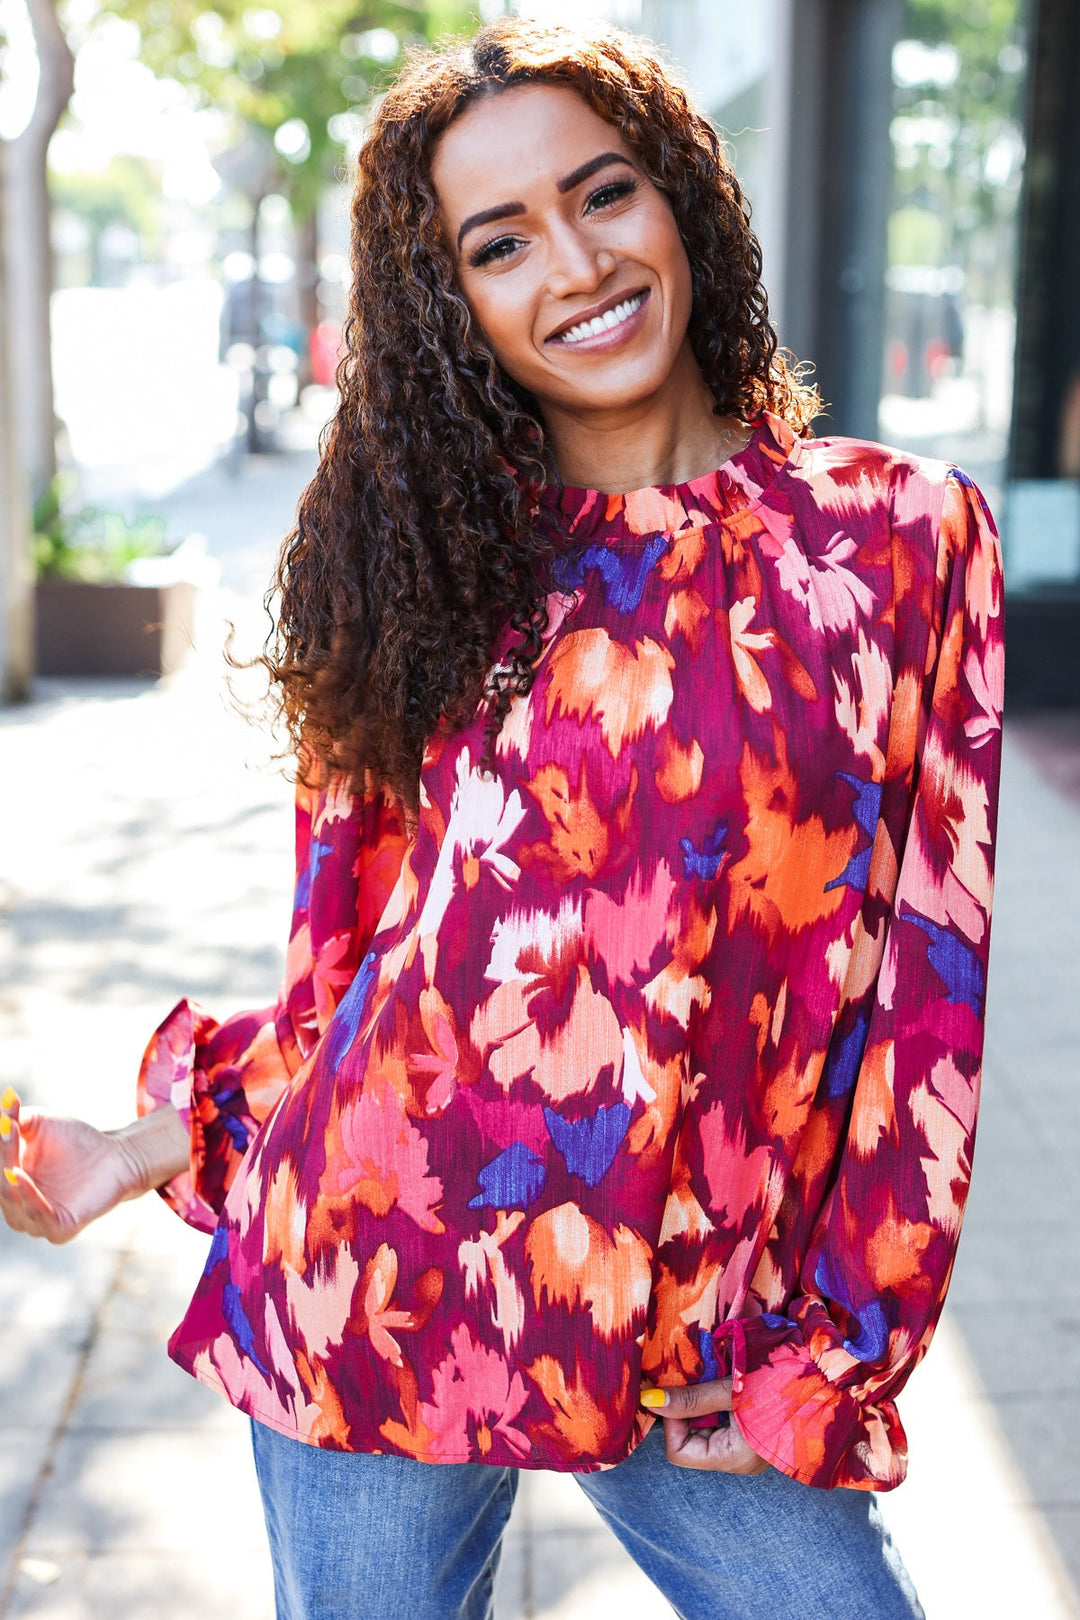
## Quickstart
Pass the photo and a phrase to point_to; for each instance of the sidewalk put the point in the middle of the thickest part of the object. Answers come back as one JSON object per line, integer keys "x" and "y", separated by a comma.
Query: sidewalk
{"x": 147, "y": 852}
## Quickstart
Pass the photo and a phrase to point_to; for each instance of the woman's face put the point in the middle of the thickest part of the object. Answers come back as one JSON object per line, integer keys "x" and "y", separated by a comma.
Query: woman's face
{"x": 569, "y": 257}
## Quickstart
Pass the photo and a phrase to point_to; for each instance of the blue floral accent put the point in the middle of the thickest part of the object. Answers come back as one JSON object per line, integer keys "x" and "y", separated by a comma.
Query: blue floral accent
{"x": 346, "y": 1021}
{"x": 568, "y": 570}
{"x": 311, "y": 872}
{"x": 237, "y": 1129}
{"x": 954, "y": 961}
{"x": 844, "y": 1056}
{"x": 232, "y": 1309}
{"x": 589, "y": 1145}
{"x": 219, "y": 1249}
{"x": 706, "y": 861}
{"x": 872, "y": 1341}
{"x": 970, "y": 485}
{"x": 866, "y": 810}
{"x": 516, "y": 1176}
{"x": 624, "y": 573}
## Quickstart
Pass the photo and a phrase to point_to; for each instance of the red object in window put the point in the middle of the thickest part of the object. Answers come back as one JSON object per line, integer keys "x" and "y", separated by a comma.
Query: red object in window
{"x": 937, "y": 357}
{"x": 326, "y": 347}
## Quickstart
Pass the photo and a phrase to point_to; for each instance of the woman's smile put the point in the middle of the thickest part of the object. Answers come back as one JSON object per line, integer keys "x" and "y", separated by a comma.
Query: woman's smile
{"x": 615, "y": 321}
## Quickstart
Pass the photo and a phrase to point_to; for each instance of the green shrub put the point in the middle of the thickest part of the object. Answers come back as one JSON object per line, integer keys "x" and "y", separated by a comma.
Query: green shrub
{"x": 90, "y": 543}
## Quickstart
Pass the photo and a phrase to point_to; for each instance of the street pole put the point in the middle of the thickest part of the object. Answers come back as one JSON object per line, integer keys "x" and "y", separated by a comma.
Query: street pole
{"x": 16, "y": 583}
{"x": 839, "y": 184}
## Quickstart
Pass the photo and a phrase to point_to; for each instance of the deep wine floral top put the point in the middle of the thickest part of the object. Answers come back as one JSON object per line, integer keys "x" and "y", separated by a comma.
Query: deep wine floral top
{"x": 656, "y": 1052}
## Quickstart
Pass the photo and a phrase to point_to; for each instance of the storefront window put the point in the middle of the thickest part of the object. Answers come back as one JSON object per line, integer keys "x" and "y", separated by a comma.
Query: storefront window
{"x": 958, "y": 155}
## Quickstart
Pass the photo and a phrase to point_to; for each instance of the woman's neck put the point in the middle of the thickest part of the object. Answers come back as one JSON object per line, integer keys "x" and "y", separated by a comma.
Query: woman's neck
{"x": 669, "y": 438}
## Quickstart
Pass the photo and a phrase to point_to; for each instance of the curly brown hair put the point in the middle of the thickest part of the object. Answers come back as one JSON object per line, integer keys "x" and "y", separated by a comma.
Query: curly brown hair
{"x": 416, "y": 542}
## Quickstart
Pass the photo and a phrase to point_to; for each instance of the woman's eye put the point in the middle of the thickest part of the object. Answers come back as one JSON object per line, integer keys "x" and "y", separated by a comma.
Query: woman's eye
{"x": 501, "y": 248}
{"x": 611, "y": 193}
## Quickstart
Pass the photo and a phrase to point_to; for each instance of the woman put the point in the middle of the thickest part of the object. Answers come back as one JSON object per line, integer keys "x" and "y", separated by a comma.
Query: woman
{"x": 627, "y": 1057}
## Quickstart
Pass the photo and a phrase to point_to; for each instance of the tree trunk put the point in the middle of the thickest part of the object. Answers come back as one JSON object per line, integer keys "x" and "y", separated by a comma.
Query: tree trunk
{"x": 30, "y": 258}
{"x": 16, "y": 588}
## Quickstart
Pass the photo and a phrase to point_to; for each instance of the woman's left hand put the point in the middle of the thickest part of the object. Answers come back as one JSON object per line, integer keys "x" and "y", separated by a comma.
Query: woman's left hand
{"x": 724, "y": 1451}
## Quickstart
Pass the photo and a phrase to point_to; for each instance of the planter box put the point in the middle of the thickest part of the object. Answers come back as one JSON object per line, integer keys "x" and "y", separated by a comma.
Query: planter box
{"x": 113, "y": 629}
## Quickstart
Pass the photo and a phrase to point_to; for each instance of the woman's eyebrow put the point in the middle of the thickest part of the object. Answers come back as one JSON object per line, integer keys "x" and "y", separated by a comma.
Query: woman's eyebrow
{"x": 487, "y": 216}
{"x": 587, "y": 170}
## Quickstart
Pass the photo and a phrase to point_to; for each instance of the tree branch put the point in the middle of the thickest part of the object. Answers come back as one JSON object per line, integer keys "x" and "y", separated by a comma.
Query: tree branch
{"x": 57, "y": 65}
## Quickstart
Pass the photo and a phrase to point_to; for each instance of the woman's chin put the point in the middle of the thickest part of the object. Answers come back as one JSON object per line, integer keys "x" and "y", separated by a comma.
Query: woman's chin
{"x": 614, "y": 386}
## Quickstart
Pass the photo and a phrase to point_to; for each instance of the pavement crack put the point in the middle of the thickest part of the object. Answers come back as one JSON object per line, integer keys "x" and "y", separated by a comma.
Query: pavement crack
{"x": 63, "y": 1423}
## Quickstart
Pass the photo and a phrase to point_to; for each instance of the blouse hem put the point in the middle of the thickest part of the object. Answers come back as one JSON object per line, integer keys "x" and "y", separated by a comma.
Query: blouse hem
{"x": 291, "y": 1432}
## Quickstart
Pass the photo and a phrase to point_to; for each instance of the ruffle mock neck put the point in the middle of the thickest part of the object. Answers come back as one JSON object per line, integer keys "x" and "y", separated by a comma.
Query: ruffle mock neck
{"x": 578, "y": 514}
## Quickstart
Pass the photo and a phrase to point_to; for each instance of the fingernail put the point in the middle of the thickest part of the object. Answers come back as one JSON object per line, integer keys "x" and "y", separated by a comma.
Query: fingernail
{"x": 5, "y": 1126}
{"x": 653, "y": 1397}
{"x": 9, "y": 1099}
{"x": 11, "y": 1176}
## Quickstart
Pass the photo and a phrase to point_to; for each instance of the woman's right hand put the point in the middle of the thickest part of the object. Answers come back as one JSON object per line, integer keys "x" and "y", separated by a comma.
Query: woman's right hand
{"x": 59, "y": 1174}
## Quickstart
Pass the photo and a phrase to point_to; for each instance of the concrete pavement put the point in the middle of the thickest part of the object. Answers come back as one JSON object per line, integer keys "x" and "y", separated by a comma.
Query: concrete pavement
{"x": 146, "y": 854}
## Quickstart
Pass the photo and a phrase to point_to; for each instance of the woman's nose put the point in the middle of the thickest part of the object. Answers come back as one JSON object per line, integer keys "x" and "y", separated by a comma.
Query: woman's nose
{"x": 578, "y": 265}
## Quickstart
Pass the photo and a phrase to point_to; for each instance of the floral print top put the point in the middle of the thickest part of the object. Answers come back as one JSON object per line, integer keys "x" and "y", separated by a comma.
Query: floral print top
{"x": 656, "y": 1052}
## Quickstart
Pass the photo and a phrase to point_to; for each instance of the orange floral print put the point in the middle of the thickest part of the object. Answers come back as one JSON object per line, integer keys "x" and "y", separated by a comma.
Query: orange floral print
{"x": 656, "y": 1050}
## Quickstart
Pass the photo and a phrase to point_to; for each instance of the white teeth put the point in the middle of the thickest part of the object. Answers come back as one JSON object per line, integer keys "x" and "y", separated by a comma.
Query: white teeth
{"x": 603, "y": 323}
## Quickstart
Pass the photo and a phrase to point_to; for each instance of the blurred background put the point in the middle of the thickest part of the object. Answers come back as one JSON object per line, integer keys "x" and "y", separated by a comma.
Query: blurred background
{"x": 174, "y": 185}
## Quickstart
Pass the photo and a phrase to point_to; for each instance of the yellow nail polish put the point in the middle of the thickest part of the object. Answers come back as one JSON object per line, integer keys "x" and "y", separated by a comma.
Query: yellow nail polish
{"x": 5, "y": 1126}
{"x": 9, "y": 1099}
{"x": 653, "y": 1397}
{"x": 11, "y": 1176}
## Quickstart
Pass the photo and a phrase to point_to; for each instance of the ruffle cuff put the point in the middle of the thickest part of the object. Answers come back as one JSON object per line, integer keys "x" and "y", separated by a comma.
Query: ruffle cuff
{"x": 167, "y": 1075}
{"x": 800, "y": 1421}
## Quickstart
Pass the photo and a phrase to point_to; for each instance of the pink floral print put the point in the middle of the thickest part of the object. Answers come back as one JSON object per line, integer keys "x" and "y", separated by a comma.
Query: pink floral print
{"x": 655, "y": 1052}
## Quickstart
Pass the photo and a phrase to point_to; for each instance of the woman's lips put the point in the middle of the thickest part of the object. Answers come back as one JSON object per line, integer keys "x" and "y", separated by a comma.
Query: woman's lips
{"x": 610, "y": 337}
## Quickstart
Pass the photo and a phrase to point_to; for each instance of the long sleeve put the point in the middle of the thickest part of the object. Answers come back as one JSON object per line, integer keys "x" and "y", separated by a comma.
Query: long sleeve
{"x": 814, "y": 1385}
{"x": 663, "y": 1058}
{"x": 224, "y": 1078}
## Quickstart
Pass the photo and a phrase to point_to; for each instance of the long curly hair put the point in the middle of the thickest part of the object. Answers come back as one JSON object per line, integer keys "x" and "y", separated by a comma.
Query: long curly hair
{"x": 416, "y": 542}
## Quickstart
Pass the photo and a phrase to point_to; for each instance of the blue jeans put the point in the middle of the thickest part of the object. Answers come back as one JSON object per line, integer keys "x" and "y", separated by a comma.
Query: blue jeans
{"x": 387, "y": 1538}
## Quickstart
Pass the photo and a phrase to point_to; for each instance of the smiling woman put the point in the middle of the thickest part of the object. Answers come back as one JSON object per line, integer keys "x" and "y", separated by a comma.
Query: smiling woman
{"x": 616, "y": 1111}
{"x": 532, "y": 149}
{"x": 587, "y": 301}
